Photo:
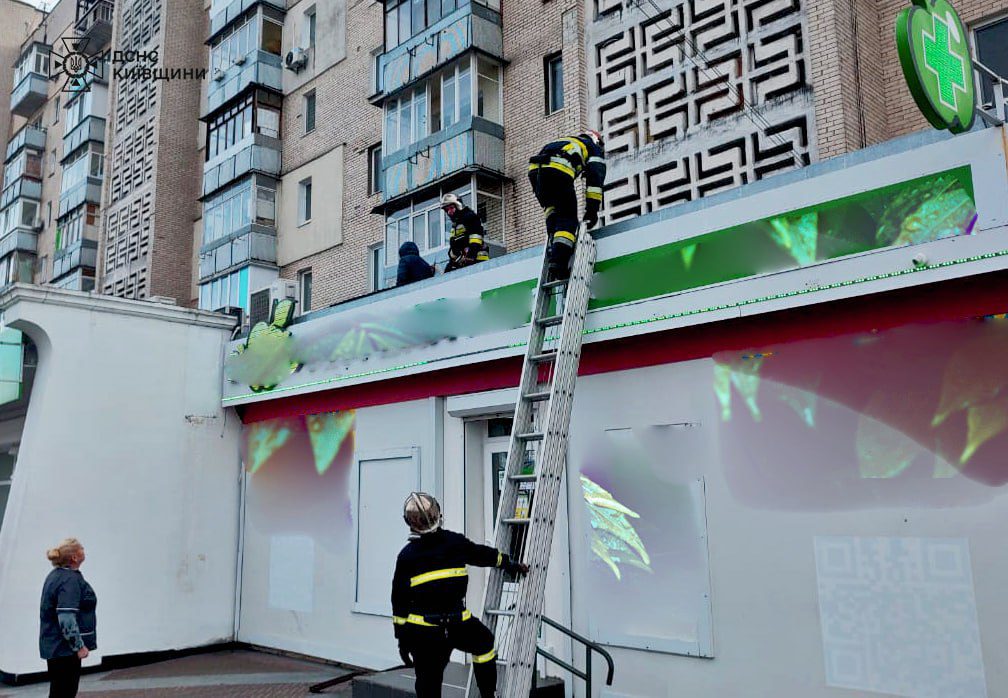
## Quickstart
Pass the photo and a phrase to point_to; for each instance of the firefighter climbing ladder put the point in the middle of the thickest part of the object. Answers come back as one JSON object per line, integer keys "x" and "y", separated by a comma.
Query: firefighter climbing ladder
{"x": 535, "y": 467}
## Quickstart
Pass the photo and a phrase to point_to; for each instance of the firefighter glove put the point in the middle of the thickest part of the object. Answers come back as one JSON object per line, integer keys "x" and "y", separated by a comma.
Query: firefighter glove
{"x": 404, "y": 654}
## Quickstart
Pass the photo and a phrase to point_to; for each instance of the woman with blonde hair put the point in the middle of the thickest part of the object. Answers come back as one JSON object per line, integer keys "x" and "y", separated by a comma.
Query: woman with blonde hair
{"x": 67, "y": 615}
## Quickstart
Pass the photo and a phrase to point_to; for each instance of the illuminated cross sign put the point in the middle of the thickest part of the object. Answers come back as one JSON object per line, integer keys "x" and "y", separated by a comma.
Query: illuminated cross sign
{"x": 935, "y": 58}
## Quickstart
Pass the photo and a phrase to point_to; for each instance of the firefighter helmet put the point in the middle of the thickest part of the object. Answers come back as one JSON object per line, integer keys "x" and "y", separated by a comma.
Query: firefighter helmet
{"x": 422, "y": 513}
{"x": 450, "y": 200}
{"x": 596, "y": 137}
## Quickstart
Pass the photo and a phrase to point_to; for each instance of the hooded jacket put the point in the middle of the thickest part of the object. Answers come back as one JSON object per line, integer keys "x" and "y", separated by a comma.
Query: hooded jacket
{"x": 412, "y": 267}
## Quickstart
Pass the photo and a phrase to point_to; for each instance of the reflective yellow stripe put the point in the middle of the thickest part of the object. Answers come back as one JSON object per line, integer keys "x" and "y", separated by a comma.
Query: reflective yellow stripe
{"x": 596, "y": 159}
{"x": 448, "y": 573}
{"x": 548, "y": 211}
{"x": 484, "y": 658}
{"x": 500, "y": 558}
{"x": 580, "y": 146}
{"x": 475, "y": 239}
{"x": 593, "y": 195}
{"x": 565, "y": 235}
{"x": 398, "y": 620}
{"x": 458, "y": 230}
{"x": 419, "y": 620}
{"x": 563, "y": 168}
{"x": 482, "y": 257}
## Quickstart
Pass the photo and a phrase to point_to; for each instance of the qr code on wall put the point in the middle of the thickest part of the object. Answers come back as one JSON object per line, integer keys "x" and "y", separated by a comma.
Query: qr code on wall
{"x": 899, "y": 616}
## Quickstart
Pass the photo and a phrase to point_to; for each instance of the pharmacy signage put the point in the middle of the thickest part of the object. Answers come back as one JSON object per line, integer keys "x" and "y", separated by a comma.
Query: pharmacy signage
{"x": 935, "y": 55}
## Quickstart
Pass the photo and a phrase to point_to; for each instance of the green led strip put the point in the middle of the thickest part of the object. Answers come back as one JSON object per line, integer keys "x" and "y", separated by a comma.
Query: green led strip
{"x": 660, "y": 318}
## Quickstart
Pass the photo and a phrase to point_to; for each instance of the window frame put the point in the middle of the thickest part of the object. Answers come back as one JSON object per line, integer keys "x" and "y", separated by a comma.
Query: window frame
{"x": 304, "y": 201}
{"x": 549, "y": 61}
{"x": 310, "y": 27}
{"x": 375, "y": 173}
{"x": 305, "y": 276}
{"x": 310, "y": 99}
{"x": 981, "y": 80}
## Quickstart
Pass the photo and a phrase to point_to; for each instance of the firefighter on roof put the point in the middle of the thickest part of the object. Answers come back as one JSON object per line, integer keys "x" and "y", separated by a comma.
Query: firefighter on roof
{"x": 465, "y": 245}
{"x": 553, "y": 173}
{"x": 428, "y": 599}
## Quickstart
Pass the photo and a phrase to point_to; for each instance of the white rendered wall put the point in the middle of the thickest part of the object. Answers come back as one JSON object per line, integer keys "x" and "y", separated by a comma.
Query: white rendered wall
{"x": 125, "y": 446}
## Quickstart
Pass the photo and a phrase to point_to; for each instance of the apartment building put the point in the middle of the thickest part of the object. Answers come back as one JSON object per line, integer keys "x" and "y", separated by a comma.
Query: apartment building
{"x": 693, "y": 98}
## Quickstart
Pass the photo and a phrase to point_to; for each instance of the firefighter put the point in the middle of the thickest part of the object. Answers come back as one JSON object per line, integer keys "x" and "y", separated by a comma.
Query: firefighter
{"x": 428, "y": 599}
{"x": 465, "y": 245}
{"x": 553, "y": 173}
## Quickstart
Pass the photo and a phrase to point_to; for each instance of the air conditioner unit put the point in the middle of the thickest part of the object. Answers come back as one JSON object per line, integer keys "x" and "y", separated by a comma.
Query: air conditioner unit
{"x": 261, "y": 301}
{"x": 218, "y": 75}
{"x": 240, "y": 60}
{"x": 296, "y": 59}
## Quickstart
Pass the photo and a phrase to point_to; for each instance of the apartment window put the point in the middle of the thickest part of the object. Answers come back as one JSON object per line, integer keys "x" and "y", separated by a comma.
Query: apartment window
{"x": 56, "y": 111}
{"x": 52, "y": 162}
{"x": 374, "y": 169}
{"x": 305, "y": 284}
{"x": 309, "y": 27}
{"x": 309, "y": 112}
{"x": 488, "y": 90}
{"x": 234, "y": 44}
{"x": 376, "y": 266}
{"x": 406, "y": 119}
{"x": 455, "y": 100}
{"x": 992, "y": 50}
{"x": 422, "y": 222}
{"x": 553, "y": 80}
{"x": 227, "y": 211}
{"x": 231, "y": 290}
{"x": 304, "y": 201}
{"x": 272, "y": 37}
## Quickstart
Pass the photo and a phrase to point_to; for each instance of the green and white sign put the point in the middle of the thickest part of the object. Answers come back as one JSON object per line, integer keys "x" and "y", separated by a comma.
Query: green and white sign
{"x": 935, "y": 55}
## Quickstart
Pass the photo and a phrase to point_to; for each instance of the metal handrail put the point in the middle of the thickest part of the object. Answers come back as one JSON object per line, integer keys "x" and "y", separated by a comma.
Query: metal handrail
{"x": 998, "y": 85}
{"x": 590, "y": 646}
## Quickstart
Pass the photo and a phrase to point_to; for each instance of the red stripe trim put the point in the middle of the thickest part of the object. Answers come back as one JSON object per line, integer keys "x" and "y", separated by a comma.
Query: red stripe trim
{"x": 949, "y": 300}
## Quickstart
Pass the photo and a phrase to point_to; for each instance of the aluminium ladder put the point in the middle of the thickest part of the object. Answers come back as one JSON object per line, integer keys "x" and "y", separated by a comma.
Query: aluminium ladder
{"x": 535, "y": 468}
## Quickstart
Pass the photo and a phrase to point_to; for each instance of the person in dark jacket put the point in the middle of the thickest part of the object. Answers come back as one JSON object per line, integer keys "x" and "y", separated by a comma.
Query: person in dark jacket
{"x": 412, "y": 267}
{"x": 67, "y": 619}
{"x": 428, "y": 599}
{"x": 553, "y": 173}
{"x": 466, "y": 245}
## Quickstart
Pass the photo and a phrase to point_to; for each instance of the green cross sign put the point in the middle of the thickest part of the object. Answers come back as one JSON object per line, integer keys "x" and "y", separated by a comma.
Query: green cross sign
{"x": 935, "y": 57}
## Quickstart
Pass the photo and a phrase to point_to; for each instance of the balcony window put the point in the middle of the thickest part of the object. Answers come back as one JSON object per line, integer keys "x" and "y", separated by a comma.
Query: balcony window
{"x": 456, "y": 94}
{"x": 227, "y": 291}
{"x": 488, "y": 90}
{"x": 71, "y": 229}
{"x": 423, "y": 222}
{"x": 227, "y": 211}
{"x": 272, "y": 37}
{"x": 78, "y": 110}
{"x": 23, "y": 213}
{"x": 27, "y": 164}
{"x": 406, "y": 119}
{"x": 36, "y": 61}
{"x": 235, "y": 43}
{"x": 89, "y": 163}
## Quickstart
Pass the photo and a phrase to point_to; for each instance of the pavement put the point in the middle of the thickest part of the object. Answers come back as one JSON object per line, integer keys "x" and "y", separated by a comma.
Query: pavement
{"x": 224, "y": 674}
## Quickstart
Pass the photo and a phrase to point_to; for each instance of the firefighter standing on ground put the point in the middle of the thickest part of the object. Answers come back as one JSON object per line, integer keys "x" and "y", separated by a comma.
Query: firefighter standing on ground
{"x": 428, "y": 599}
{"x": 552, "y": 173}
{"x": 465, "y": 246}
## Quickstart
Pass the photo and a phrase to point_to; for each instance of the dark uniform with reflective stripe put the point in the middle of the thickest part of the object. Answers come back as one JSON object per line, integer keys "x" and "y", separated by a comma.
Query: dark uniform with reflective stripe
{"x": 466, "y": 246}
{"x": 429, "y": 613}
{"x": 552, "y": 173}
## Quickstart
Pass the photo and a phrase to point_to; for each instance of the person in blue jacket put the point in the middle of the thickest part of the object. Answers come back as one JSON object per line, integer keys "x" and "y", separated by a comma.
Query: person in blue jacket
{"x": 67, "y": 619}
{"x": 412, "y": 267}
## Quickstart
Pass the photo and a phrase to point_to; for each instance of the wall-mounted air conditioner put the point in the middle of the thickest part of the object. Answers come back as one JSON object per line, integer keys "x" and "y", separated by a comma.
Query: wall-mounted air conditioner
{"x": 261, "y": 301}
{"x": 218, "y": 75}
{"x": 296, "y": 59}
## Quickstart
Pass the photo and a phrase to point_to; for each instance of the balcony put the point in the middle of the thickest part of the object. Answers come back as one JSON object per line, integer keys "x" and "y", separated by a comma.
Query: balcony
{"x": 222, "y": 13}
{"x": 27, "y": 137}
{"x": 260, "y": 154}
{"x": 80, "y": 254}
{"x": 21, "y": 188}
{"x": 261, "y": 68}
{"x": 254, "y": 243}
{"x": 95, "y": 25}
{"x": 87, "y": 191}
{"x": 470, "y": 27}
{"x": 472, "y": 144}
{"x": 19, "y": 239}
{"x": 91, "y": 129}
{"x": 29, "y": 95}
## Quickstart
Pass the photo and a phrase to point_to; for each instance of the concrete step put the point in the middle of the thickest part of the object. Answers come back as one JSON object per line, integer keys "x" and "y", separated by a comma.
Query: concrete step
{"x": 398, "y": 683}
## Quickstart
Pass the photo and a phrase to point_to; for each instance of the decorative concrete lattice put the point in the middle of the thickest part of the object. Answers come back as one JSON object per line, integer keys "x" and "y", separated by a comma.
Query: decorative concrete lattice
{"x": 696, "y": 96}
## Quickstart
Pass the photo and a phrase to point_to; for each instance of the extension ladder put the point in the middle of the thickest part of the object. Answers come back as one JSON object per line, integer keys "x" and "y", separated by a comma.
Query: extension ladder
{"x": 535, "y": 468}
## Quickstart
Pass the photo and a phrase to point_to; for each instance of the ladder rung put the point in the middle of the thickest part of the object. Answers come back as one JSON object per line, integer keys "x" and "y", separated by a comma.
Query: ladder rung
{"x": 531, "y": 436}
{"x": 538, "y": 396}
{"x": 516, "y": 521}
{"x": 500, "y": 612}
{"x": 545, "y": 356}
{"x": 555, "y": 284}
{"x": 529, "y": 477}
{"x": 551, "y": 320}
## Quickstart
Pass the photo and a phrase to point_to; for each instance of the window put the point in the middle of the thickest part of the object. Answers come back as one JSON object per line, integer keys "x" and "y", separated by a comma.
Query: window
{"x": 52, "y": 163}
{"x": 304, "y": 201}
{"x": 305, "y": 284}
{"x": 228, "y": 211}
{"x": 406, "y": 119}
{"x": 231, "y": 290}
{"x": 309, "y": 112}
{"x": 376, "y": 266}
{"x": 553, "y": 80}
{"x": 309, "y": 27}
{"x": 235, "y": 43}
{"x": 422, "y": 222}
{"x": 455, "y": 100}
{"x": 89, "y": 162}
{"x": 374, "y": 169}
{"x": 992, "y": 50}
{"x": 488, "y": 90}
{"x": 272, "y": 37}
{"x": 258, "y": 113}
{"x": 56, "y": 111}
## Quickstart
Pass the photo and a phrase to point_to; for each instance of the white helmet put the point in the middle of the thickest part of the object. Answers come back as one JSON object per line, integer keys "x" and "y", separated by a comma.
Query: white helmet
{"x": 596, "y": 137}
{"x": 450, "y": 200}
{"x": 422, "y": 513}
